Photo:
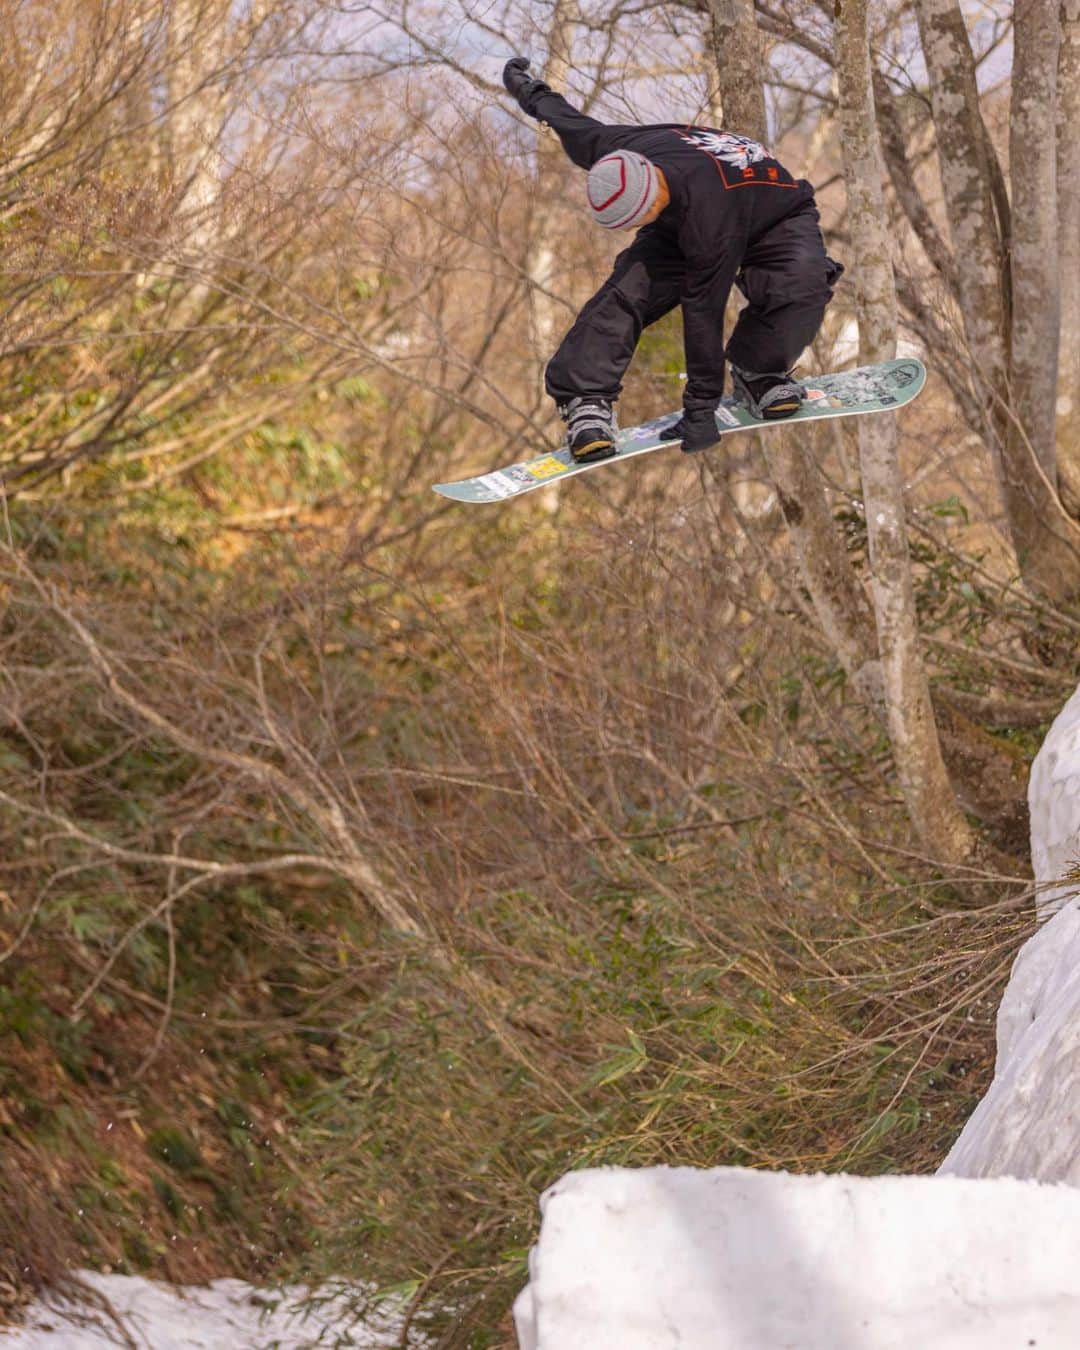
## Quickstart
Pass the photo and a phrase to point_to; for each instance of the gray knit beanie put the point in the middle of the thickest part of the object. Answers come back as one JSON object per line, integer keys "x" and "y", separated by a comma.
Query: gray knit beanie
{"x": 621, "y": 188}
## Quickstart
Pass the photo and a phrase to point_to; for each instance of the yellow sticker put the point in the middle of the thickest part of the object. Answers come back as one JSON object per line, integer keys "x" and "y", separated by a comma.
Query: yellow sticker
{"x": 547, "y": 467}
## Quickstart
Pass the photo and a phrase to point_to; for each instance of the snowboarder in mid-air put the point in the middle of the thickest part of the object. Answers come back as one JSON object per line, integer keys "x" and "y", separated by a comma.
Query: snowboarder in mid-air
{"x": 711, "y": 208}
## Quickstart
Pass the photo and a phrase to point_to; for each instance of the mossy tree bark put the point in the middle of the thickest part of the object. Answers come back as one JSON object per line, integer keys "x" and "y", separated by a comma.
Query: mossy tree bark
{"x": 1036, "y": 310}
{"x": 1068, "y": 273}
{"x": 736, "y": 46}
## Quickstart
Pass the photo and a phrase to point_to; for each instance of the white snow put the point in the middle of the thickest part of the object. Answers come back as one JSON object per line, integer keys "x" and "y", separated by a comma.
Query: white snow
{"x": 226, "y": 1315}
{"x": 731, "y": 1259}
{"x": 1028, "y": 1123}
{"x": 1054, "y": 803}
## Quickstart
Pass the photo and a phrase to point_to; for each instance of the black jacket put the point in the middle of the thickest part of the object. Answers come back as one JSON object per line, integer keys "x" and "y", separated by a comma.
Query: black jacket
{"x": 726, "y": 192}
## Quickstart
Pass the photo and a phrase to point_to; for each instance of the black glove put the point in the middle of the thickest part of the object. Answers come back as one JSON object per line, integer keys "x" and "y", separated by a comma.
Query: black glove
{"x": 522, "y": 86}
{"x": 697, "y": 430}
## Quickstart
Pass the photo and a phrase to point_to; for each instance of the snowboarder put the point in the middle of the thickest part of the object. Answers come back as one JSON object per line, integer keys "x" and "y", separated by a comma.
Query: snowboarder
{"x": 711, "y": 208}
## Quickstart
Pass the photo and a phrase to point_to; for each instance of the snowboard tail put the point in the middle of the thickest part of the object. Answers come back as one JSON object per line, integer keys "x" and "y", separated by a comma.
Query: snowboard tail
{"x": 883, "y": 387}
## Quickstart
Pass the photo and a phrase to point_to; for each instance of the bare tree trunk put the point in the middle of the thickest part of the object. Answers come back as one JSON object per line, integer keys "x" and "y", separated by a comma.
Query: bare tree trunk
{"x": 196, "y": 115}
{"x": 547, "y": 317}
{"x": 137, "y": 119}
{"x": 894, "y": 149}
{"x": 839, "y": 600}
{"x": 1068, "y": 185}
{"x": 737, "y": 52}
{"x": 1035, "y": 276}
{"x": 552, "y": 173}
{"x": 924, "y": 782}
{"x": 965, "y": 176}
{"x": 1046, "y": 540}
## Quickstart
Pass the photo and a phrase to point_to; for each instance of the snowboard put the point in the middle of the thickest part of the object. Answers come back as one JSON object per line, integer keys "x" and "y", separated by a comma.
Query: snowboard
{"x": 867, "y": 389}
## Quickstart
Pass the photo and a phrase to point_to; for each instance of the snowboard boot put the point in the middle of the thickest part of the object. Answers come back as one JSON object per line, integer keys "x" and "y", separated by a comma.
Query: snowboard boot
{"x": 591, "y": 428}
{"x": 768, "y": 395}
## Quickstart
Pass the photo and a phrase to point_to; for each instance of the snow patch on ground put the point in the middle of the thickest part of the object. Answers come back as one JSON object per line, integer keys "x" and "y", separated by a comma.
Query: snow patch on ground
{"x": 225, "y": 1315}
{"x": 665, "y": 1257}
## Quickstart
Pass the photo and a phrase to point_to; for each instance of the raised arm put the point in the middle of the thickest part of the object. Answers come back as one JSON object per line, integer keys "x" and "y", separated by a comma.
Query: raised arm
{"x": 584, "y": 139}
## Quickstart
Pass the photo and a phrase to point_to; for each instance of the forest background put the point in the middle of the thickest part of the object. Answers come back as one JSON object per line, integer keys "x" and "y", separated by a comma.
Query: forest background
{"x": 367, "y": 862}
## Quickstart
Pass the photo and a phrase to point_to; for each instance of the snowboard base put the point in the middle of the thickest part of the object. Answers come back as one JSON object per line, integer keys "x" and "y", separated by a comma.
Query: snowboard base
{"x": 867, "y": 389}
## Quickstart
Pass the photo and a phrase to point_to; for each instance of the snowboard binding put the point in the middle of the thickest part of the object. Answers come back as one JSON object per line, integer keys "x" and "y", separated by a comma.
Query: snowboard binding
{"x": 591, "y": 429}
{"x": 770, "y": 394}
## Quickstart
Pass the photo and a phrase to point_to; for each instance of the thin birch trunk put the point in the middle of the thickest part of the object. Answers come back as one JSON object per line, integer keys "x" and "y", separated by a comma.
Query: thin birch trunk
{"x": 548, "y": 318}
{"x": 197, "y": 111}
{"x": 552, "y": 177}
{"x": 912, "y": 203}
{"x": 965, "y": 176}
{"x": 1035, "y": 275}
{"x": 1068, "y": 183}
{"x": 924, "y": 782}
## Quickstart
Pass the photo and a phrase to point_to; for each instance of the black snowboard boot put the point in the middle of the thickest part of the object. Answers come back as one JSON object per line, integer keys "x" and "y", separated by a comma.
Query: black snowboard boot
{"x": 591, "y": 428}
{"x": 768, "y": 395}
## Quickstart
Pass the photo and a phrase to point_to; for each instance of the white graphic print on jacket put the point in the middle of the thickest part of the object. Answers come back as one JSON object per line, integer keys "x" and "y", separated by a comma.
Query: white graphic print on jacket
{"x": 728, "y": 147}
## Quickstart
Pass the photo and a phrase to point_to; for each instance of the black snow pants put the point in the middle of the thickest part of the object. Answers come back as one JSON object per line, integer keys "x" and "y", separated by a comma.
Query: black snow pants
{"x": 787, "y": 279}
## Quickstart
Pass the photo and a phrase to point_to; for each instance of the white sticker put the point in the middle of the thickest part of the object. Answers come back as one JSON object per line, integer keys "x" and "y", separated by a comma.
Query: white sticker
{"x": 498, "y": 484}
{"x": 726, "y": 415}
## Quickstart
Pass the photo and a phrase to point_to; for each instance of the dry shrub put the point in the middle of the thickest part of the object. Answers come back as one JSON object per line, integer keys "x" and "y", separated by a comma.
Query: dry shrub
{"x": 35, "y": 1242}
{"x": 665, "y": 901}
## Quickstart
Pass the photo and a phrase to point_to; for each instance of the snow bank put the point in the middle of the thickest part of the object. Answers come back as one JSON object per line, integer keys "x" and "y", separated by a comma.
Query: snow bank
{"x": 1028, "y": 1123}
{"x": 226, "y": 1315}
{"x": 1054, "y": 804}
{"x": 730, "y": 1258}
